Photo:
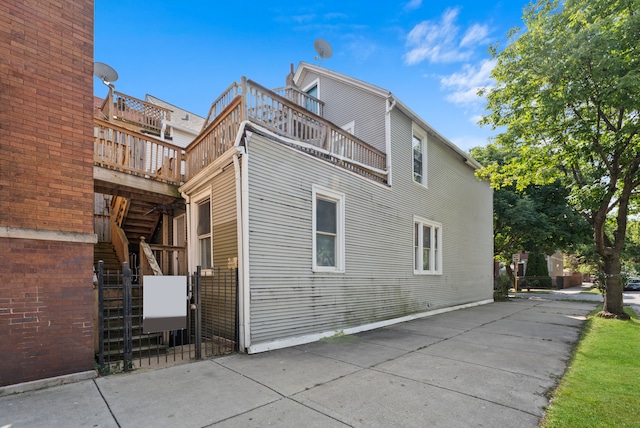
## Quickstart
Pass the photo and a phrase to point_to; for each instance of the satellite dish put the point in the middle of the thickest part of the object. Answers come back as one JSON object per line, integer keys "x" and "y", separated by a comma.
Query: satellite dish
{"x": 323, "y": 49}
{"x": 105, "y": 73}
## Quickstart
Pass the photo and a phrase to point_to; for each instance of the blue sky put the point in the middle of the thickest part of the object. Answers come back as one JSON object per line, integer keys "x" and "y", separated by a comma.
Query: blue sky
{"x": 432, "y": 55}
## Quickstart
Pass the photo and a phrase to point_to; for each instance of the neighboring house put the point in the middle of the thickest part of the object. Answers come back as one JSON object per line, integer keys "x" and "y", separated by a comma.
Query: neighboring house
{"x": 343, "y": 210}
{"x": 185, "y": 125}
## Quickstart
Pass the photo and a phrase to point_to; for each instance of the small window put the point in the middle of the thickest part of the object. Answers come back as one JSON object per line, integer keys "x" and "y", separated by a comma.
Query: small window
{"x": 310, "y": 103}
{"x": 328, "y": 230}
{"x": 419, "y": 157}
{"x": 427, "y": 242}
{"x": 204, "y": 234}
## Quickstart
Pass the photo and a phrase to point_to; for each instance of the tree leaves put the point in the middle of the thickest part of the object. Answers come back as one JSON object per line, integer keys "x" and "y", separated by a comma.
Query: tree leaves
{"x": 568, "y": 97}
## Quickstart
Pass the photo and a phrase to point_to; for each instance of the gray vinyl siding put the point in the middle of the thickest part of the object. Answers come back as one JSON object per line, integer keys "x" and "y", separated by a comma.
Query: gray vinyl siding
{"x": 344, "y": 103}
{"x": 287, "y": 299}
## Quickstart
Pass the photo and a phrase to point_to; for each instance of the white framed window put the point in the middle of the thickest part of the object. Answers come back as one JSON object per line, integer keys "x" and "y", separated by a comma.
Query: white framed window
{"x": 313, "y": 90}
{"x": 427, "y": 246}
{"x": 349, "y": 127}
{"x": 419, "y": 151}
{"x": 328, "y": 230}
{"x": 203, "y": 232}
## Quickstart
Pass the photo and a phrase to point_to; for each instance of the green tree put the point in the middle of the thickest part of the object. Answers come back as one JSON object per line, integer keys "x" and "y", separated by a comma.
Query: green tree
{"x": 537, "y": 218}
{"x": 567, "y": 102}
{"x": 537, "y": 265}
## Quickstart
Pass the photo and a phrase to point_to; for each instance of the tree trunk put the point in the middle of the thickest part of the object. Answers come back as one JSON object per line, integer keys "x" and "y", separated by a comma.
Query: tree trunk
{"x": 510, "y": 274}
{"x": 613, "y": 286}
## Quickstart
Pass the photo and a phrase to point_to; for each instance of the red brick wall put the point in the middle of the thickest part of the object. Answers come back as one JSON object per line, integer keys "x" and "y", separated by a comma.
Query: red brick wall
{"x": 46, "y": 312}
{"x": 46, "y": 105}
{"x": 46, "y": 183}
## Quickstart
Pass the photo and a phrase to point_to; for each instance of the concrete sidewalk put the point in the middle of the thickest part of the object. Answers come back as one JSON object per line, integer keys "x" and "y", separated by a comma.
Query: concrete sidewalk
{"x": 489, "y": 366}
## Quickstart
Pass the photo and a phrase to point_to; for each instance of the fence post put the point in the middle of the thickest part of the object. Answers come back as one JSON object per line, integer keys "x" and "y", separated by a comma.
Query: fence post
{"x": 127, "y": 308}
{"x": 101, "y": 314}
{"x": 198, "y": 314}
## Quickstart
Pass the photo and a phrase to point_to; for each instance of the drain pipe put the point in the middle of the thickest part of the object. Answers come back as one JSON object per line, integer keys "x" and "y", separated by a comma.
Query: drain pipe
{"x": 391, "y": 103}
{"x": 241, "y": 164}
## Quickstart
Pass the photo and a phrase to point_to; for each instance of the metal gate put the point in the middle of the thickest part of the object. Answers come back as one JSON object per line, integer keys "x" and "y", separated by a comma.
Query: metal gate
{"x": 121, "y": 344}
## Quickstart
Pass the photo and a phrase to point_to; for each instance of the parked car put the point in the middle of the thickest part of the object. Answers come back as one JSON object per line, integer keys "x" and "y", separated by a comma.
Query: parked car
{"x": 633, "y": 284}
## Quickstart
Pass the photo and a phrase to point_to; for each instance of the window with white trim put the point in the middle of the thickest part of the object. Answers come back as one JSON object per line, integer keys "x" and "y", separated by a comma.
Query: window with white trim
{"x": 203, "y": 231}
{"x": 419, "y": 151}
{"x": 312, "y": 90}
{"x": 328, "y": 230}
{"x": 427, "y": 246}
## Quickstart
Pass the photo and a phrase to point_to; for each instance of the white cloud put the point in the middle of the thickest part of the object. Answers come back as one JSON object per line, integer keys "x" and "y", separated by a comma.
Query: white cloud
{"x": 476, "y": 35}
{"x": 413, "y": 5}
{"x": 466, "y": 83}
{"x": 466, "y": 142}
{"x": 475, "y": 119}
{"x": 440, "y": 41}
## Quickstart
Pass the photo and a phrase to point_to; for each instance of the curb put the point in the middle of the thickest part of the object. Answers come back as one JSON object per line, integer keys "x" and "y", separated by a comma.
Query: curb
{"x": 46, "y": 383}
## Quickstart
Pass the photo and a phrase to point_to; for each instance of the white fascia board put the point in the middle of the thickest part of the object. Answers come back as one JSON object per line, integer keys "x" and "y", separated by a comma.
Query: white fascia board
{"x": 430, "y": 130}
{"x": 303, "y": 66}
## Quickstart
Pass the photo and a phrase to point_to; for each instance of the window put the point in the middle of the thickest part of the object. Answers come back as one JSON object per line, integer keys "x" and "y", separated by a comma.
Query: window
{"x": 349, "y": 127}
{"x": 419, "y": 157}
{"x": 427, "y": 244}
{"x": 328, "y": 230}
{"x": 204, "y": 234}
{"x": 312, "y": 90}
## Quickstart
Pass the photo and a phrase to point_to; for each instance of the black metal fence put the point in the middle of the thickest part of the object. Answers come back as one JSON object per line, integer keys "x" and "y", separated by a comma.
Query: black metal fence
{"x": 212, "y": 321}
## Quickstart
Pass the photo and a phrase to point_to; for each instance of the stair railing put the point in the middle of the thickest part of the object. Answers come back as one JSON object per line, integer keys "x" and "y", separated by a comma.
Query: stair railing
{"x": 118, "y": 237}
{"x": 147, "y": 258}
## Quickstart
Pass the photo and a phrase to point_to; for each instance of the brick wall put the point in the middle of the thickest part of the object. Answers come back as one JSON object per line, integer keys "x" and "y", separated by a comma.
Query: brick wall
{"x": 46, "y": 312}
{"x": 46, "y": 183}
{"x": 46, "y": 101}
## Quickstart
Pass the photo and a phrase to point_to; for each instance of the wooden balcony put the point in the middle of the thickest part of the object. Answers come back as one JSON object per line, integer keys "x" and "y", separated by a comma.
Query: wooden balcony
{"x": 136, "y": 114}
{"x": 130, "y": 135}
{"x": 289, "y": 113}
{"x": 121, "y": 149}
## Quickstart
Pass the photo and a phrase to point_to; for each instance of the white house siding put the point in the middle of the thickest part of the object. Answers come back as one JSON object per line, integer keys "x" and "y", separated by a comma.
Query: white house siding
{"x": 289, "y": 300}
{"x": 348, "y": 103}
{"x": 181, "y": 138}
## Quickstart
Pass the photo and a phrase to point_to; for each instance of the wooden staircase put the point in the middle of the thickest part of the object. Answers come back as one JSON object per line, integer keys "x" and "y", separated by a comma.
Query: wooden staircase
{"x": 137, "y": 218}
{"x": 141, "y": 220}
{"x": 104, "y": 251}
{"x": 113, "y": 310}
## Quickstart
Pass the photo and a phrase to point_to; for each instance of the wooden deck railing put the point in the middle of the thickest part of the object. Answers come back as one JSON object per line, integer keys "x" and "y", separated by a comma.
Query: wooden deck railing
{"x": 124, "y": 150}
{"x": 159, "y": 259}
{"x": 251, "y": 101}
{"x": 302, "y": 99}
{"x": 137, "y": 114}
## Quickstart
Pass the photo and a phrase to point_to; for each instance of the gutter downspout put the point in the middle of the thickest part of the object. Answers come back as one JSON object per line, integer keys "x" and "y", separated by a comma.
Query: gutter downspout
{"x": 188, "y": 250}
{"x": 391, "y": 103}
{"x": 243, "y": 247}
{"x": 241, "y": 167}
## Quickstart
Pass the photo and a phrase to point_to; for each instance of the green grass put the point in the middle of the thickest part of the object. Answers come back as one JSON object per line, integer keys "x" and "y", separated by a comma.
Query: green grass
{"x": 601, "y": 387}
{"x": 593, "y": 290}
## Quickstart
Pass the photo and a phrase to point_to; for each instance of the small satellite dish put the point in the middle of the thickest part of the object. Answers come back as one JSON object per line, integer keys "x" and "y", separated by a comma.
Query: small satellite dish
{"x": 105, "y": 72}
{"x": 323, "y": 49}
